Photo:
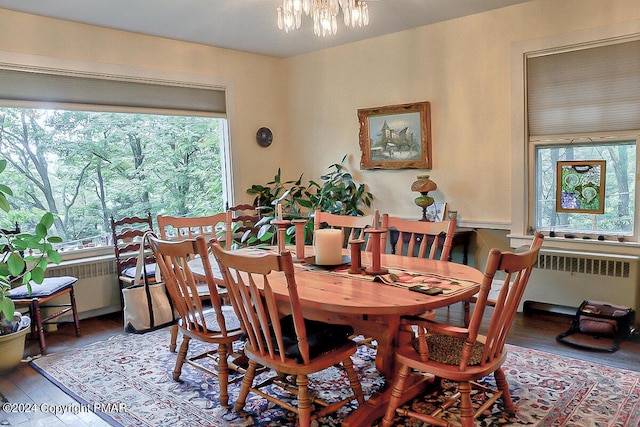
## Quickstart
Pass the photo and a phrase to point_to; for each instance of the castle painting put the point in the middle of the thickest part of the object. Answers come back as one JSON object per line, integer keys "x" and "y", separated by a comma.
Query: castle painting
{"x": 396, "y": 136}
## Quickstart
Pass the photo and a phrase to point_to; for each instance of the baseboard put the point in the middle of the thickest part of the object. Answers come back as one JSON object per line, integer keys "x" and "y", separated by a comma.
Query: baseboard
{"x": 530, "y": 307}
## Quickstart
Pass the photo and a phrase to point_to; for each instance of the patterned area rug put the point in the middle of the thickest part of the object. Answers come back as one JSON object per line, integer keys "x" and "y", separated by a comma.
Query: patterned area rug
{"x": 127, "y": 380}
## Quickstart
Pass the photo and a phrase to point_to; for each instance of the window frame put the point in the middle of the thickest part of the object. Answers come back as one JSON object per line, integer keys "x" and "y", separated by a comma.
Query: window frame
{"x": 581, "y": 139}
{"x": 521, "y": 196}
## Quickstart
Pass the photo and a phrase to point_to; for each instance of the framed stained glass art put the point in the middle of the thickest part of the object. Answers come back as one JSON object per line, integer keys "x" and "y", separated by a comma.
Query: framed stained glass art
{"x": 580, "y": 186}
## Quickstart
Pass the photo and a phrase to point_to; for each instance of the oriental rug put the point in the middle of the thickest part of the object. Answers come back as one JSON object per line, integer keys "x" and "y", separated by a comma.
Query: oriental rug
{"x": 127, "y": 380}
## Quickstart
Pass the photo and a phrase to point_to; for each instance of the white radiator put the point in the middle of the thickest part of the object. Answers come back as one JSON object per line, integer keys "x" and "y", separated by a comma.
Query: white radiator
{"x": 97, "y": 289}
{"x": 567, "y": 278}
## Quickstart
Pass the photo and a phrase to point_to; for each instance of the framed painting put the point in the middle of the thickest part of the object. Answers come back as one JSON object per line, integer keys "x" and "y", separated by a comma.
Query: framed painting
{"x": 580, "y": 186}
{"x": 396, "y": 136}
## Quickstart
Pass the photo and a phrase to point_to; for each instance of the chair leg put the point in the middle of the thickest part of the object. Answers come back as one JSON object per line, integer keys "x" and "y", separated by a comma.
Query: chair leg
{"x": 503, "y": 386}
{"x": 466, "y": 407}
{"x": 353, "y": 380}
{"x": 247, "y": 381}
{"x": 223, "y": 374}
{"x": 39, "y": 328}
{"x": 304, "y": 401}
{"x": 182, "y": 354}
{"x": 74, "y": 310}
{"x": 396, "y": 395}
{"x": 467, "y": 312}
{"x": 174, "y": 338}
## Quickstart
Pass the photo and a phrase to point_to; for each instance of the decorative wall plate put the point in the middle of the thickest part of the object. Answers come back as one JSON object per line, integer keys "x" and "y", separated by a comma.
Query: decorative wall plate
{"x": 264, "y": 137}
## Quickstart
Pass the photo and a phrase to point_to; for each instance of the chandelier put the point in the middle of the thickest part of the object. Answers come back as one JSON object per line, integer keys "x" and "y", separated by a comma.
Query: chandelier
{"x": 324, "y": 14}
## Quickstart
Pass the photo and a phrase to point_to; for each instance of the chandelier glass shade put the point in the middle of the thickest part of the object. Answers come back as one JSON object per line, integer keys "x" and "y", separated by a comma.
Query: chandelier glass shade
{"x": 324, "y": 14}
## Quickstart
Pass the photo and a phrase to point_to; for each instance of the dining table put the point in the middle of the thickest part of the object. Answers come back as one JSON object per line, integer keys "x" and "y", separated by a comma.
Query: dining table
{"x": 373, "y": 304}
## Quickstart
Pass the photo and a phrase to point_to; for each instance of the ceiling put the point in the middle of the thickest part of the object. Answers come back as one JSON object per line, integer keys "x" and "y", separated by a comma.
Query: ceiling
{"x": 247, "y": 25}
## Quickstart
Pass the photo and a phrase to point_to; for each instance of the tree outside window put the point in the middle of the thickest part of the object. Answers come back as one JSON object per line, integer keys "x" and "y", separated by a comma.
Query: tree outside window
{"x": 84, "y": 166}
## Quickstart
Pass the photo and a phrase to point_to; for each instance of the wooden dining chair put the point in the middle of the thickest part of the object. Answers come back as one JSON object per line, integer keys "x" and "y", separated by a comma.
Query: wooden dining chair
{"x": 179, "y": 228}
{"x": 214, "y": 226}
{"x": 428, "y": 236}
{"x": 244, "y": 220}
{"x": 289, "y": 345}
{"x": 351, "y": 226}
{"x": 126, "y": 234}
{"x": 463, "y": 355}
{"x": 217, "y": 325}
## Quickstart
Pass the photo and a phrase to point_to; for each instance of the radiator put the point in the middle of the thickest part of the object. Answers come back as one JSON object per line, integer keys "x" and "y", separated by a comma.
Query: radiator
{"x": 567, "y": 278}
{"x": 97, "y": 289}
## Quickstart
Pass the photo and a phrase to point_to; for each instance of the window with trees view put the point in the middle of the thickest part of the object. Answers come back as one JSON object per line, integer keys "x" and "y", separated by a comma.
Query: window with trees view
{"x": 85, "y": 166}
{"x": 619, "y": 200}
{"x": 582, "y": 105}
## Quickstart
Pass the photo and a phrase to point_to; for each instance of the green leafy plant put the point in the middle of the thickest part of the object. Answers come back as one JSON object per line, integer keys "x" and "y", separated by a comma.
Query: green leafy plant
{"x": 335, "y": 192}
{"x": 25, "y": 256}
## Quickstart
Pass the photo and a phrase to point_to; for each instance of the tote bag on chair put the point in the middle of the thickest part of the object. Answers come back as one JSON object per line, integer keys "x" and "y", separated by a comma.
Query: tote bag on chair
{"x": 146, "y": 305}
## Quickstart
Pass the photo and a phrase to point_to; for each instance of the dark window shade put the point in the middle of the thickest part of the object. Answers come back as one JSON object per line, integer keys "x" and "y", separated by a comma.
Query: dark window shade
{"x": 47, "y": 88}
{"x": 584, "y": 91}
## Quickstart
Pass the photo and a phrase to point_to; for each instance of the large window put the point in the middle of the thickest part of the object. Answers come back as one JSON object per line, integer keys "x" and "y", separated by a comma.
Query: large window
{"x": 583, "y": 104}
{"x": 85, "y": 166}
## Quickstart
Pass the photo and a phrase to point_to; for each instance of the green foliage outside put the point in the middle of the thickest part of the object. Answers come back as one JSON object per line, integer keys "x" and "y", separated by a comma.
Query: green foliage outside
{"x": 85, "y": 166}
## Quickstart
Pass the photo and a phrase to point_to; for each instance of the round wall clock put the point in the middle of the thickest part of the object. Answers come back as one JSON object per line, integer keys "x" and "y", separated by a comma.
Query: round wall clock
{"x": 264, "y": 136}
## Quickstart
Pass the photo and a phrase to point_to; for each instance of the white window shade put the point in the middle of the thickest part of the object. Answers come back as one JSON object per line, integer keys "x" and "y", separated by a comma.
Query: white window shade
{"x": 583, "y": 91}
{"x": 47, "y": 90}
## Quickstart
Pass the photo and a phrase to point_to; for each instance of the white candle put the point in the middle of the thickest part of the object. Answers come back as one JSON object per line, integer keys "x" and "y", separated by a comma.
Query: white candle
{"x": 328, "y": 246}
{"x": 279, "y": 212}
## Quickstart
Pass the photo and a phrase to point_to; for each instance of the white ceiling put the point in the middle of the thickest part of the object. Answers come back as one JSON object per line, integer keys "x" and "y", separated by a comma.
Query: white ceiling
{"x": 247, "y": 25}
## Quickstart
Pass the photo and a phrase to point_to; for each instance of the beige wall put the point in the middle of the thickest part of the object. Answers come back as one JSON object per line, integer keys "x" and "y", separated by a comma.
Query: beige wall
{"x": 463, "y": 68}
{"x": 255, "y": 87}
{"x": 310, "y": 101}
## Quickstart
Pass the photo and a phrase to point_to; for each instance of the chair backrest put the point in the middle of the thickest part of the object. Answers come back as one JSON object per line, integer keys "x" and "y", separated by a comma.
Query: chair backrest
{"x": 246, "y": 278}
{"x": 352, "y": 226}
{"x": 428, "y": 235}
{"x": 181, "y": 228}
{"x": 173, "y": 258}
{"x": 244, "y": 219}
{"x": 127, "y": 240}
{"x": 517, "y": 269}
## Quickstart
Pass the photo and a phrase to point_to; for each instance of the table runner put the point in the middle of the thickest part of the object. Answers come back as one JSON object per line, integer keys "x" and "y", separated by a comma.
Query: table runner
{"x": 398, "y": 277}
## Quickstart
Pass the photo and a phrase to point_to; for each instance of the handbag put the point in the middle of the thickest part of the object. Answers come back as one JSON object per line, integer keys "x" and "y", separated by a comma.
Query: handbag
{"x": 147, "y": 306}
{"x": 601, "y": 324}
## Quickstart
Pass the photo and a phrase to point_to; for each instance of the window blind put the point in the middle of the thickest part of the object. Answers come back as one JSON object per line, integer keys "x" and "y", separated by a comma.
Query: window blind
{"x": 583, "y": 91}
{"x": 46, "y": 90}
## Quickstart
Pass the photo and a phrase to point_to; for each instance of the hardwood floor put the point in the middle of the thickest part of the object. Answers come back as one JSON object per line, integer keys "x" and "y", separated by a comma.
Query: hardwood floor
{"x": 26, "y": 386}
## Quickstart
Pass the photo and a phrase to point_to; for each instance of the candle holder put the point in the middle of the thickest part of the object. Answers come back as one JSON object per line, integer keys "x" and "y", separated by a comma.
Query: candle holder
{"x": 282, "y": 229}
{"x": 299, "y": 224}
{"x": 356, "y": 256}
{"x": 376, "y": 268}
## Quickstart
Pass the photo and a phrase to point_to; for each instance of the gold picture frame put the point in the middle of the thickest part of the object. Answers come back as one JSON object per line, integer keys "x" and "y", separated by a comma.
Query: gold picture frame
{"x": 580, "y": 186}
{"x": 396, "y": 136}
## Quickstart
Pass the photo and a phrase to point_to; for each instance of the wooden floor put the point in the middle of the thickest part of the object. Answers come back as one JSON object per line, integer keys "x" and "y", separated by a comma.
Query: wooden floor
{"x": 25, "y": 386}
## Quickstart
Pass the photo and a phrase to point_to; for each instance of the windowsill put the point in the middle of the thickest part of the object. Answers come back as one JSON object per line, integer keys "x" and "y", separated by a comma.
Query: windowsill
{"x": 579, "y": 244}
{"x": 85, "y": 253}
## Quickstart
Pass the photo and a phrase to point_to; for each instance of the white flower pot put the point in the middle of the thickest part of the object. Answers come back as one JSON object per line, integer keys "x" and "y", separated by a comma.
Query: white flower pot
{"x": 12, "y": 348}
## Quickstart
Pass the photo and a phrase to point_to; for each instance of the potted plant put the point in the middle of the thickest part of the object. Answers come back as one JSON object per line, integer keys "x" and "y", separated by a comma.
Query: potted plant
{"x": 336, "y": 192}
{"x": 23, "y": 260}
